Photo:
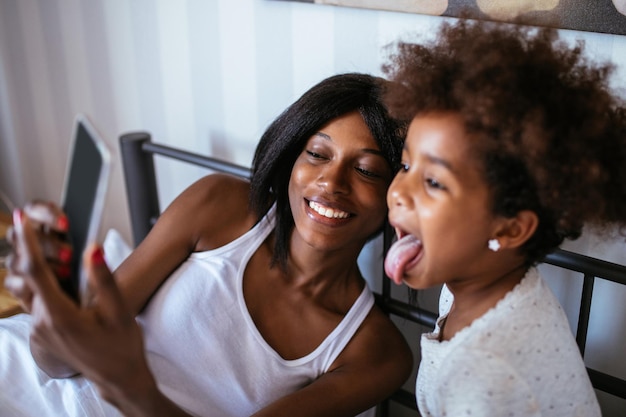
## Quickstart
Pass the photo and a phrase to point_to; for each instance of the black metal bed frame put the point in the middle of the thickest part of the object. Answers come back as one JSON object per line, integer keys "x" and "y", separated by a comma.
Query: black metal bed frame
{"x": 138, "y": 150}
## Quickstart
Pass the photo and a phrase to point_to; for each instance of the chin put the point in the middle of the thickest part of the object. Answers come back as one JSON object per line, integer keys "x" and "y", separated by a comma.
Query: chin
{"x": 416, "y": 282}
{"x": 414, "y": 286}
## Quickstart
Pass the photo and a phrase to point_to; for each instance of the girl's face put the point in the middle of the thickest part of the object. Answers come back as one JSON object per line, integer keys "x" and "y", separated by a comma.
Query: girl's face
{"x": 440, "y": 204}
{"x": 338, "y": 184}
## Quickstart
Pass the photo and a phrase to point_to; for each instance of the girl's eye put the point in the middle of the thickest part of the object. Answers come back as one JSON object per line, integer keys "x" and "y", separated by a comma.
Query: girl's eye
{"x": 433, "y": 183}
{"x": 404, "y": 167}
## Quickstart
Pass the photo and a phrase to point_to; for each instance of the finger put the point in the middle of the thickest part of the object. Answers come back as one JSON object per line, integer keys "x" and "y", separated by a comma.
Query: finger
{"x": 9, "y": 235}
{"x": 48, "y": 215}
{"x": 107, "y": 297}
{"x": 55, "y": 250}
{"x": 62, "y": 272}
{"x": 29, "y": 263}
{"x": 18, "y": 288}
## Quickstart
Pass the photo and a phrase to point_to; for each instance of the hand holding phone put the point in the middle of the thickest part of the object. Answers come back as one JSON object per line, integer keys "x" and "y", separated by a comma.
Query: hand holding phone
{"x": 64, "y": 232}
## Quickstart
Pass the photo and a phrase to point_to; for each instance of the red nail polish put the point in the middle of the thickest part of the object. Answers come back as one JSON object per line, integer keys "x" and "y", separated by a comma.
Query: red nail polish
{"x": 97, "y": 257}
{"x": 63, "y": 272}
{"x": 63, "y": 223}
{"x": 65, "y": 255}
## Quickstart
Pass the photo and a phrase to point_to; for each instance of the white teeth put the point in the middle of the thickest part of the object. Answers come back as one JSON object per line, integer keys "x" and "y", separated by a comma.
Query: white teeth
{"x": 327, "y": 211}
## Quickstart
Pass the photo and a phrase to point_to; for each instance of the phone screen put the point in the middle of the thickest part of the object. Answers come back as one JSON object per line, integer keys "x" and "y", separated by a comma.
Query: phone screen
{"x": 83, "y": 196}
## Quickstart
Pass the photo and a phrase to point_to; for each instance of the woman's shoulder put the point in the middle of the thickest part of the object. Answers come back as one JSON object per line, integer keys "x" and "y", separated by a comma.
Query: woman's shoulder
{"x": 217, "y": 206}
{"x": 217, "y": 183}
{"x": 221, "y": 194}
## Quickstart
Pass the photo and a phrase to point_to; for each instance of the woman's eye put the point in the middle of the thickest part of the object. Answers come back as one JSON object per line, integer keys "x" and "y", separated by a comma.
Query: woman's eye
{"x": 404, "y": 167}
{"x": 367, "y": 173}
{"x": 314, "y": 155}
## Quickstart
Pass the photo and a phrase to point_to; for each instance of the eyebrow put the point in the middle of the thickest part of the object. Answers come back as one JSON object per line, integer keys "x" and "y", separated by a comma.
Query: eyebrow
{"x": 323, "y": 135}
{"x": 365, "y": 150}
{"x": 435, "y": 160}
{"x": 439, "y": 161}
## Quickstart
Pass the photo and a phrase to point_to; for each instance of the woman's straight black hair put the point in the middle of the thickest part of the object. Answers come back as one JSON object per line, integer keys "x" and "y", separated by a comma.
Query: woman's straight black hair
{"x": 285, "y": 138}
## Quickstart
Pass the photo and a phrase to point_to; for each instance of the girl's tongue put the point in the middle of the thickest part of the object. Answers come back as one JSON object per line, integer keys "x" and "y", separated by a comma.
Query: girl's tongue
{"x": 399, "y": 255}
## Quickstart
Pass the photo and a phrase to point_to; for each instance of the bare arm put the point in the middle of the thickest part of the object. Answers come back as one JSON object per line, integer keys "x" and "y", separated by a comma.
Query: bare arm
{"x": 217, "y": 207}
{"x": 102, "y": 339}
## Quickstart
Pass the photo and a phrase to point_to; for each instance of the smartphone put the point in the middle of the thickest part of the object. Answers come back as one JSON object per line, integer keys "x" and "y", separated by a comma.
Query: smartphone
{"x": 84, "y": 191}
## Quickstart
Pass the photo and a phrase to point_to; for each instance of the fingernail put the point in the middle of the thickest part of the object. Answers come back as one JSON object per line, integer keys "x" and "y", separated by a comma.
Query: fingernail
{"x": 17, "y": 216}
{"x": 65, "y": 255}
{"x": 63, "y": 271}
{"x": 63, "y": 223}
{"x": 97, "y": 257}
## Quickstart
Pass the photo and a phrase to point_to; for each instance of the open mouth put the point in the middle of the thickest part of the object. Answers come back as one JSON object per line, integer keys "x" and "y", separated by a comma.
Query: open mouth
{"x": 328, "y": 212}
{"x": 402, "y": 256}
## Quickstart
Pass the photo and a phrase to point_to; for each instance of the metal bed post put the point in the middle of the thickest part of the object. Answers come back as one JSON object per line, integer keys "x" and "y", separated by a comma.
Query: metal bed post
{"x": 585, "y": 311}
{"x": 404, "y": 310}
{"x": 383, "y": 300}
{"x": 140, "y": 179}
{"x": 138, "y": 152}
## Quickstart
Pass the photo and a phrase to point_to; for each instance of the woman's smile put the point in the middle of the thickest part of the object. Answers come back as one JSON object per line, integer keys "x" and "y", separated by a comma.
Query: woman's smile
{"x": 328, "y": 212}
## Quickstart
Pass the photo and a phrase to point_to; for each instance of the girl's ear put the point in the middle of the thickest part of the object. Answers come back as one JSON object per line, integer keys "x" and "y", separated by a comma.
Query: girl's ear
{"x": 517, "y": 230}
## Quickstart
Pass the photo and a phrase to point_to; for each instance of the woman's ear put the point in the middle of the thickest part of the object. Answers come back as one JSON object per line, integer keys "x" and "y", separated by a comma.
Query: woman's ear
{"x": 516, "y": 231}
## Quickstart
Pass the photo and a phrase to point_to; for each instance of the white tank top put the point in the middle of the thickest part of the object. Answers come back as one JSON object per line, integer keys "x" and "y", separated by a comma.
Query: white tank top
{"x": 203, "y": 347}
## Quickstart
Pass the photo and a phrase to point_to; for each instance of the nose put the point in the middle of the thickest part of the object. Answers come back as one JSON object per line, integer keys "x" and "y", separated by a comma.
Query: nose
{"x": 398, "y": 194}
{"x": 334, "y": 179}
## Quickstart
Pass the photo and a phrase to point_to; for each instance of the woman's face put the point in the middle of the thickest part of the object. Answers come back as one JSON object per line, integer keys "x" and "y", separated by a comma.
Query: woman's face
{"x": 440, "y": 198}
{"x": 338, "y": 185}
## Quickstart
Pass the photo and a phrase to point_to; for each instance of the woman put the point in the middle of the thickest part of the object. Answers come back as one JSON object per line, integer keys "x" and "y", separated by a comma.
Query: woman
{"x": 248, "y": 295}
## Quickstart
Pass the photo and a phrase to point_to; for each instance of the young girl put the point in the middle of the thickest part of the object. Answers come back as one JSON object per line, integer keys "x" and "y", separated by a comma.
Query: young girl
{"x": 515, "y": 142}
{"x": 244, "y": 309}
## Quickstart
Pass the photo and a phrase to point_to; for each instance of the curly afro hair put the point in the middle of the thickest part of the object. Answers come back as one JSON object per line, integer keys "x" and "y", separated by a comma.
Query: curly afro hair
{"x": 542, "y": 119}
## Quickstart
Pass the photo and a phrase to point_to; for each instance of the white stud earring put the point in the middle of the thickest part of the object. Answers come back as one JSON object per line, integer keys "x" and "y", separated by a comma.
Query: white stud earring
{"x": 494, "y": 245}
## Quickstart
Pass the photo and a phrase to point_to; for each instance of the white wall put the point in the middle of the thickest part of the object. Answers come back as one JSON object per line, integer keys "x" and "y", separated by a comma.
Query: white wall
{"x": 207, "y": 76}
{"x": 204, "y": 75}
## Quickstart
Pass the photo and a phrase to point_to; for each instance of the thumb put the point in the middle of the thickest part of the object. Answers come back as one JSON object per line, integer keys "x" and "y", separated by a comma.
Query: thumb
{"x": 103, "y": 293}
